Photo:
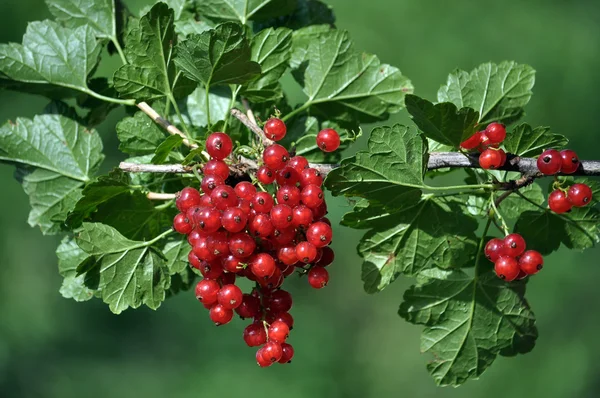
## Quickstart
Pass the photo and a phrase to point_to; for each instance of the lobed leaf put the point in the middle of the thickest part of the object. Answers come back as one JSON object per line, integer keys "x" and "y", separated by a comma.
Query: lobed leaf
{"x": 98, "y": 15}
{"x": 245, "y": 10}
{"x": 307, "y": 12}
{"x": 138, "y": 134}
{"x": 69, "y": 257}
{"x": 524, "y": 140}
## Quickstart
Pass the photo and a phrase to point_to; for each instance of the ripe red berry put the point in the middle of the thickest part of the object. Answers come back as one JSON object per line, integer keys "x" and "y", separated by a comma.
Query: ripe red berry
{"x": 495, "y": 132}
{"x": 262, "y": 265}
{"x": 531, "y": 262}
{"x": 262, "y": 360}
{"x": 275, "y": 156}
{"x": 494, "y": 249}
{"x": 491, "y": 159}
{"x": 284, "y": 317}
{"x": 318, "y": 277}
{"x": 288, "y": 353}
{"x": 549, "y": 162}
{"x": 262, "y": 202}
{"x": 559, "y": 202}
{"x": 282, "y": 237}
{"x": 272, "y": 351}
{"x": 202, "y": 250}
{"x": 187, "y": 198}
{"x": 311, "y": 176}
{"x": 302, "y": 216}
{"x": 194, "y": 260}
{"x": 287, "y": 255}
{"x": 250, "y": 306}
{"x": 230, "y": 296}
{"x": 272, "y": 282}
{"x": 281, "y": 216}
{"x": 216, "y": 168}
{"x": 579, "y": 195}
{"x": 319, "y": 234}
{"x": 220, "y": 315}
{"x": 234, "y": 219}
{"x": 244, "y": 205}
{"x": 275, "y": 129}
{"x": 219, "y": 145}
{"x": 327, "y": 257}
{"x": 210, "y": 182}
{"x": 231, "y": 264}
{"x": 287, "y": 176}
{"x": 261, "y": 226}
{"x": 289, "y": 195}
{"x": 207, "y": 220}
{"x": 569, "y": 161}
{"x": 183, "y": 225}
{"x": 514, "y": 245}
{"x": 278, "y": 332}
{"x": 472, "y": 142}
{"x": 245, "y": 190}
{"x": 320, "y": 211}
{"x": 312, "y": 196}
{"x": 224, "y": 197}
{"x": 328, "y": 140}
{"x": 265, "y": 175}
{"x": 255, "y": 334}
{"x": 306, "y": 252}
{"x": 299, "y": 163}
{"x": 218, "y": 243}
{"x": 280, "y": 302}
{"x": 211, "y": 270}
{"x": 207, "y": 290}
{"x": 241, "y": 245}
{"x": 507, "y": 268}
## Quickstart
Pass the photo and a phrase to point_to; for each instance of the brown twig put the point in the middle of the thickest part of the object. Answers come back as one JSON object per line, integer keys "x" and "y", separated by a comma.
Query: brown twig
{"x": 252, "y": 126}
{"x": 165, "y": 124}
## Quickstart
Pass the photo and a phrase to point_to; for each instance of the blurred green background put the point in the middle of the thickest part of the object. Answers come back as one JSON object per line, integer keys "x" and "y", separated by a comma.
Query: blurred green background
{"x": 348, "y": 344}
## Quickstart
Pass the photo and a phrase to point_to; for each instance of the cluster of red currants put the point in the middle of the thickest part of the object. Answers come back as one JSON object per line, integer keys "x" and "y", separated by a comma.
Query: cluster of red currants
{"x": 488, "y": 143}
{"x": 243, "y": 232}
{"x": 510, "y": 259}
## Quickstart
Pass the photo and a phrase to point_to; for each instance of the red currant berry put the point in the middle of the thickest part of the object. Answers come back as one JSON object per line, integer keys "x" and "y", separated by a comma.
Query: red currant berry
{"x": 272, "y": 351}
{"x": 495, "y": 132}
{"x": 262, "y": 265}
{"x": 320, "y": 211}
{"x": 241, "y": 245}
{"x": 287, "y": 255}
{"x": 490, "y": 159}
{"x": 206, "y": 201}
{"x": 194, "y": 260}
{"x": 494, "y": 249}
{"x": 327, "y": 257}
{"x": 319, "y": 234}
{"x": 549, "y": 162}
{"x": 262, "y": 360}
{"x": 262, "y": 202}
{"x": 278, "y": 332}
{"x": 302, "y": 217}
{"x": 255, "y": 334}
{"x": 187, "y": 198}
{"x": 507, "y": 268}
{"x": 559, "y": 202}
{"x": 265, "y": 175}
{"x": 289, "y": 195}
{"x": 244, "y": 205}
{"x": 218, "y": 243}
{"x": 203, "y": 251}
{"x": 275, "y": 157}
{"x": 219, "y": 145}
{"x": 579, "y": 195}
{"x": 318, "y": 277}
{"x": 227, "y": 278}
{"x": 279, "y": 302}
{"x": 231, "y": 264}
{"x": 306, "y": 252}
{"x": 207, "y": 290}
{"x": 220, "y": 315}
{"x": 514, "y": 245}
{"x": 207, "y": 220}
{"x": 230, "y": 296}
{"x": 311, "y": 176}
{"x": 261, "y": 226}
{"x": 210, "y": 182}
{"x": 472, "y": 142}
{"x": 287, "y": 176}
{"x": 288, "y": 353}
{"x": 569, "y": 161}
{"x": 183, "y": 225}
{"x": 312, "y": 196}
{"x": 275, "y": 129}
{"x": 299, "y": 163}
{"x": 216, "y": 168}
{"x": 281, "y": 216}
{"x": 282, "y": 237}
{"x": 272, "y": 282}
{"x": 531, "y": 262}
{"x": 250, "y": 306}
{"x": 522, "y": 275}
{"x": 328, "y": 140}
{"x": 224, "y": 197}
{"x": 284, "y": 317}
{"x": 245, "y": 190}
{"x": 234, "y": 219}
{"x": 211, "y": 270}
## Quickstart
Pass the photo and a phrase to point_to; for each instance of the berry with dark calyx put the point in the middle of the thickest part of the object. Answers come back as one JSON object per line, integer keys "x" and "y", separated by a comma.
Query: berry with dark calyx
{"x": 494, "y": 249}
{"x": 219, "y": 145}
{"x": 231, "y": 264}
{"x": 472, "y": 142}
{"x": 287, "y": 255}
{"x": 207, "y": 220}
{"x": 549, "y": 162}
{"x": 261, "y": 360}
{"x": 491, "y": 159}
{"x": 210, "y": 182}
{"x": 507, "y": 268}
{"x": 250, "y": 306}
{"x": 312, "y": 196}
{"x": 281, "y": 216}
{"x": 220, "y": 315}
{"x": 318, "y": 277}
{"x": 514, "y": 245}
{"x": 284, "y": 317}
{"x": 207, "y": 290}
{"x": 272, "y": 282}
{"x": 279, "y": 302}
{"x": 241, "y": 245}
{"x": 299, "y": 163}
{"x": 187, "y": 198}
{"x": 569, "y": 161}
{"x": 245, "y": 190}
{"x": 262, "y": 202}
{"x": 311, "y": 176}
{"x": 559, "y": 202}
{"x": 288, "y": 353}
{"x": 495, "y": 132}
{"x": 327, "y": 257}
{"x": 287, "y": 176}
{"x": 319, "y": 234}
{"x": 216, "y": 168}
{"x": 234, "y": 219}
{"x": 289, "y": 195}
{"x": 278, "y": 332}
{"x": 306, "y": 252}
{"x": 275, "y": 157}
{"x": 262, "y": 265}
{"x": 328, "y": 140}
{"x": 580, "y": 195}
{"x": 224, "y": 197}
{"x": 261, "y": 226}
{"x": 218, "y": 243}
{"x": 211, "y": 269}
{"x": 272, "y": 351}
{"x": 183, "y": 225}
{"x": 265, "y": 175}
{"x": 202, "y": 250}
{"x": 283, "y": 237}
{"x": 230, "y": 296}
{"x": 531, "y": 262}
{"x": 275, "y": 129}
{"x": 255, "y": 334}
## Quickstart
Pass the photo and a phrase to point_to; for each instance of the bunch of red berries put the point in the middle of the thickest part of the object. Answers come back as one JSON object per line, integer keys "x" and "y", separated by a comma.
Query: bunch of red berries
{"x": 239, "y": 231}
{"x": 488, "y": 143}
{"x": 510, "y": 259}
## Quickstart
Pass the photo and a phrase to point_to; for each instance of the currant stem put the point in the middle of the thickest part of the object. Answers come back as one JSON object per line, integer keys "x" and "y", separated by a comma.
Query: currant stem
{"x": 117, "y": 45}
{"x": 165, "y": 124}
{"x": 110, "y": 99}
{"x": 160, "y": 196}
{"x": 496, "y": 213}
{"x": 480, "y": 248}
{"x": 252, "y": 126}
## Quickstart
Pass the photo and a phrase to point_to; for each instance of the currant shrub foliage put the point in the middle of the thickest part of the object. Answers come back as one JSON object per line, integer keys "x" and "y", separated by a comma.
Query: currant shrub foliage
{"x": 193, "y": 62}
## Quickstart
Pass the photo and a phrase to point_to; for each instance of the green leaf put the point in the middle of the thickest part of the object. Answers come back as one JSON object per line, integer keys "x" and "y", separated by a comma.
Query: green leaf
{"x": 130, "y": 273}
{"x": 148, "y": 47}
{"x": 245, "y": 10}
{"x": 307, "y": 12}
{"x": 414, "y": 236}
{"x": 194, "y": 108}
{"x": 176, "y": 252}
{"x": 514, "y": 205}
{"x": 347, "y": 84}
{"x": 69, "y": 257}
{"x": 442, "y": 122}
{"x": 545, "y": 230}
{"x": 164, "y": 149}
{"x": 139, "y": 135}
{"x": 393, "y": 164}
{"x": 524, "y": 140}
{"x": 98, "y": 15}
{"x": 51, "y": 57}
{"x": 218, "y": 56}
{"x": 271, "y": 49}
{"x": 497, "y": 92}
{"x": 468, "y": 322}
